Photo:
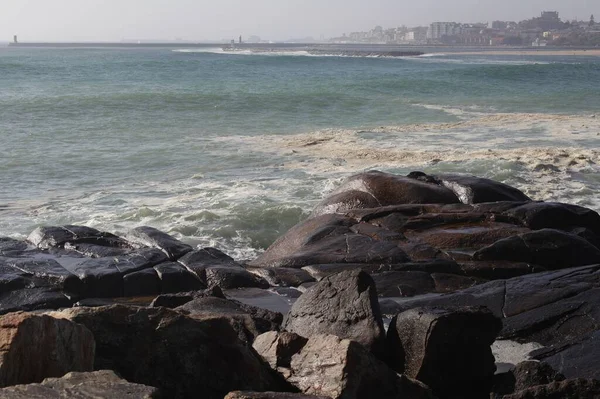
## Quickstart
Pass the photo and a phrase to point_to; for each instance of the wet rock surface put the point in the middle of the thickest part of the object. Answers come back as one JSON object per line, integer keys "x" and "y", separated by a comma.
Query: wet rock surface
{"x": 378, "y": 248}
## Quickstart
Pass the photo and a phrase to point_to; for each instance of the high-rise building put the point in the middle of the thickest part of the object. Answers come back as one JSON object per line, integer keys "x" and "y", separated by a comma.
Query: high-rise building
{"x": 437, "y": 30}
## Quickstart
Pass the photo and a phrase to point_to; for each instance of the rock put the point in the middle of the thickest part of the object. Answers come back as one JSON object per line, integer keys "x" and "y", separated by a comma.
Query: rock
{"x": 282, "y": 276}
{"x": 233, "y": 277}
{"x": 172, "y": 301}
{"x": 473, "y": 190}
{"x": 176, "y": 278}
{"x": 198, "y": 261}
{"x": 93, "y": 385}
{"x": 181, "y": 355}
{"x": 389, "y": 189}
{"x": 33, "y": 299}
{"x": 339, "y": 368}
{"x": 447, "y": 349}
{"x": 48, "y": 270}
{"x": 548, "y": 248}
{"x": 101, "y": 277}
{"x": 541, "y": 215}
{"x": 56, "y": 237}
{"x": 248, "y": 321}
{"x": 446, "y": 282}
{"x": 152, "y": 237}
{"x": 531, "y": 373}
{"x": 34, "y": 347}
{"x": 344, "y": 304}
{"x": 568, "y": 389}
{"x": 403, "y": 284}
{"x": 319, "y": 272}
{"x": 140, "y": 259}
{"x": 270, "y": 395}
{"x": 277, "y": 348}
{"x": 577, "y": 358}
{"x": 12, "y": 247}
{"x": 345, "y": 201}
{"x": 144, "y": 282}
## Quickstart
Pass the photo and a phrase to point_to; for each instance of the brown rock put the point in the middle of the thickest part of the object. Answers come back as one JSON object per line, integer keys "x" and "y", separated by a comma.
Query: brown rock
{"x": 35, "y": 346}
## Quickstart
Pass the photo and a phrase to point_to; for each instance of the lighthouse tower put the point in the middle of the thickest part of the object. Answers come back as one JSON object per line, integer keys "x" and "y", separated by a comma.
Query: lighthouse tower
{"x": 15, "y": 41}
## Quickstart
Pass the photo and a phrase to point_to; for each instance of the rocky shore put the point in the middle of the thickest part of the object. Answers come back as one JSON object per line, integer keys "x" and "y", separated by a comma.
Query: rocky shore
{"x": 397, "y": 287}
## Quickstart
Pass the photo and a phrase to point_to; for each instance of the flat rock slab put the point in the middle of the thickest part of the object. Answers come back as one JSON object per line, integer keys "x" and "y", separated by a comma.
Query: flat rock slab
{"x": 92, "y": 385}
{"x": 151, "y": 237}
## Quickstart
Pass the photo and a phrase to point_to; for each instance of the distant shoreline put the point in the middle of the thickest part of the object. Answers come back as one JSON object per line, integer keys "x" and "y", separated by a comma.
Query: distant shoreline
{"x": 574, "y": 52}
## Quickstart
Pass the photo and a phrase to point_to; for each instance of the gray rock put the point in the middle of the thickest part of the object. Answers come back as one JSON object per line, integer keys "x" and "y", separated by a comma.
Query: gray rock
{"x": 277, "y": 348}
{"x": 344, "y": 304}
{"x": 144, "y": 282}
{"x": 473, "y": 190}
{"x": 228, "y": 277}
{"x": 176, "y": 278}
{"x": 568, "y": 389}
{"x": 282, "y": 276}
{"x": 33, "y": 299}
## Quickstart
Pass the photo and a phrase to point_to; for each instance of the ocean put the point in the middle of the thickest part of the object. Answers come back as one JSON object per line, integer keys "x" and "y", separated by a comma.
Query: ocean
{"x": 232, "y": 149}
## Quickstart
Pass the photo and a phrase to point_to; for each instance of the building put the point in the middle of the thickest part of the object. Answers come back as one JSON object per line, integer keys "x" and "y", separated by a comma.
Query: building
{"x": 438, "y": 30}
{"x": 549, "y": 20}
{"x": 15, "y": 41}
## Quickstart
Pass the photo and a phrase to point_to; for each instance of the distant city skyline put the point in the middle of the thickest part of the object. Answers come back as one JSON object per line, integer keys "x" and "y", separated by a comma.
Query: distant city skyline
{"x": 116, "y": 20}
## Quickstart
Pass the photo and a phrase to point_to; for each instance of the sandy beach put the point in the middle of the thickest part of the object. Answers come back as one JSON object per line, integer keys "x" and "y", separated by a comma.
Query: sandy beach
{"x": 588, "y": 53}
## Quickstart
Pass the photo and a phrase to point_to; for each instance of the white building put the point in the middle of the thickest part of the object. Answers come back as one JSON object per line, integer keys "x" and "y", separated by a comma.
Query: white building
{"x": 437, "y": 30}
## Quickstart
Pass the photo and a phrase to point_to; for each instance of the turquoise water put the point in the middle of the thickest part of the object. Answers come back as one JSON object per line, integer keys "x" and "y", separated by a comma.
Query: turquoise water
{"x": 233, "y": 149}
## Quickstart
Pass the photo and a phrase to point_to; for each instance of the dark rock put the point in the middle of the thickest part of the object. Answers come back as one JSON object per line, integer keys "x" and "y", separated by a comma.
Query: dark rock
{"x": 228, "y": 277}
{"x": 13, "y": 279}
{"x": 319, "y": 272}
{"x": 270, "y": 395}
{"x": 33, "y": 299}
{"x": 49, "y": 270}
{"x": 277, "y": 348}
{"x": 302, "y": 235}
{"x": 568, "y": 389}
{"x": 55, "y": 236}
{"x": 344, "y": 304}
{"x": 140, "y": 259}
{"x": 345, "y": 201}
{"x": 172, "y": 301}
{"x": 248, "y": 321}
{"x": 403, "y": 284}
{"x": 97, "y": 384}
{"x": 144, "y": 282}
{"x": 282, "y": 276}
{"x": 389, "y": 189}
{"x": 152, "y": 237}
{"x": 445, "y": 282}
{"x": 197, "y": 261}
{"x": 176, "y": 278}
{"x": 101, "y": 277}
{"x": 473, "y": 190}
{"x": 11, "y": 247}
{"x": 530, "y": 374}
{"x": 447, "y": 349}
{"x": 96, "y": 251}
{"x": 498, "y": 269}
{"x": 548, "y": 248}
{"x": 541, "y": 215}
{"x": 182, "y": 356}
{"x": 579, "y": 358}
{"x": 339, "y": 368}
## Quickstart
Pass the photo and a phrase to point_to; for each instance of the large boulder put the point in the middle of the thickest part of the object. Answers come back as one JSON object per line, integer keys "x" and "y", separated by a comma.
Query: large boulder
{"x": 92, "y": 385}
{"x": 383, "y": 189}
{"x": 36, "y": 346}
{"x": 474, "y": 190}
{"x": 339, "y": 368}
{"x": 447, "y": 349}
{"x": 343, "y": 304}
{"x": 181, "y": 355}
{"x": 277, "y": 348}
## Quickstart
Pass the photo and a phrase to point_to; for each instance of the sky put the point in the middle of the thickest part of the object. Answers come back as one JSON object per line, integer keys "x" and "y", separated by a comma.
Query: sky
{"x": 201, "y": 20}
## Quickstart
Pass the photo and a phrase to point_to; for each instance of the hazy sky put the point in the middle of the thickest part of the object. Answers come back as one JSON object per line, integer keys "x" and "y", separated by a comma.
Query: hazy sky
{"x": 114, "y": 20}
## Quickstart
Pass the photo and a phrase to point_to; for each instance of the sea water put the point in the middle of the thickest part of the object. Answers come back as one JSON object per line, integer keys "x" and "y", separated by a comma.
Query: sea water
{"x": 232, "y": 149}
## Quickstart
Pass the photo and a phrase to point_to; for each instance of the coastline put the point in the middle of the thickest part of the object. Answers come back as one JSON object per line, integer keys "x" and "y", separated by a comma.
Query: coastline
{"x": 555, "y": 53}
